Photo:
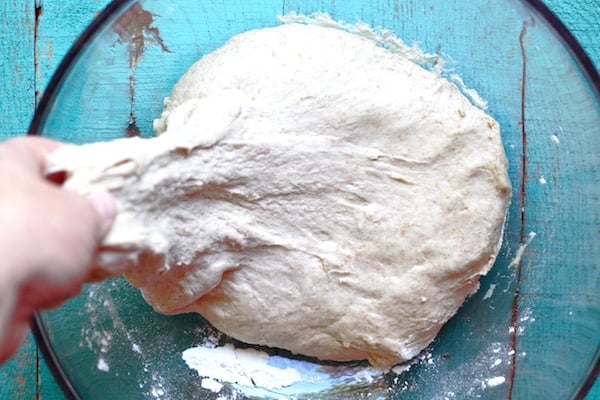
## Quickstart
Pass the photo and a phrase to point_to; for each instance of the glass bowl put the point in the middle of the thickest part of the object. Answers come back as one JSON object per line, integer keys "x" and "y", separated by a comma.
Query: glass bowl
{"x": 533, "y": 329}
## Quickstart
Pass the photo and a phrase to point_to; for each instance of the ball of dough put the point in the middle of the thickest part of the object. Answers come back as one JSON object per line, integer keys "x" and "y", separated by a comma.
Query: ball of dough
{"x": 369, "y": 238}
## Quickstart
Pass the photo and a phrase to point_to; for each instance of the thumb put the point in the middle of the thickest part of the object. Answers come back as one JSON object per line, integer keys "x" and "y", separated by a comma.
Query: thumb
{"x": 106, "y": 209}
{"x": 67, "y": 251}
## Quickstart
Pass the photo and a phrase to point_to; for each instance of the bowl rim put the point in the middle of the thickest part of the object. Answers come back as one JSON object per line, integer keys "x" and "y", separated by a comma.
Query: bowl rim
{"x": 38, "y": 327}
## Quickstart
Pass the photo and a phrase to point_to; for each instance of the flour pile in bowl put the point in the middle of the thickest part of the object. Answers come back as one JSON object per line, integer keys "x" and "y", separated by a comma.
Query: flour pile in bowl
{"x": 308, "y": 190}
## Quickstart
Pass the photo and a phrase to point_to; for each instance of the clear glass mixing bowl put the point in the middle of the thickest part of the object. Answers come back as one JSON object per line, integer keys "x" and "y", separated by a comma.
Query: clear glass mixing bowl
{"x": 532, "y": 331}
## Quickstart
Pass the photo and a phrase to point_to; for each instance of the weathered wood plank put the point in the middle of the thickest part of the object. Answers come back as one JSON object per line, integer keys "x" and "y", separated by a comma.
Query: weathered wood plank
{"x": 16, "y": 66}
{"x": 18, "y": 377}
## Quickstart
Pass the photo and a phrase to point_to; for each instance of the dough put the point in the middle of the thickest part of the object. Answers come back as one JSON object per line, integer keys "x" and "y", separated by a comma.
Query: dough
{"x": 309, "y": 190}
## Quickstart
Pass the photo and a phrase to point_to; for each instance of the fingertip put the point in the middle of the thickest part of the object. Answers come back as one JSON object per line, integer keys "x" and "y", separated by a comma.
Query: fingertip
{"x": 106, "y": 209}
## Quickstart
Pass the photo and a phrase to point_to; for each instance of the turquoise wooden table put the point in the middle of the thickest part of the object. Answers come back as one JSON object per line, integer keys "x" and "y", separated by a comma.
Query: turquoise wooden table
{"x": 36, "y": 34}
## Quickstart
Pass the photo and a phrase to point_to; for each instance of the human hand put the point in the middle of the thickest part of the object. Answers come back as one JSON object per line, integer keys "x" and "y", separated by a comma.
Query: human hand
{"x": 48, "y": 238}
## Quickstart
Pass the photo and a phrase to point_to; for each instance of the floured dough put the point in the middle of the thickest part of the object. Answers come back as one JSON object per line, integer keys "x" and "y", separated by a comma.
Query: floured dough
{"x": 310, "y": 191}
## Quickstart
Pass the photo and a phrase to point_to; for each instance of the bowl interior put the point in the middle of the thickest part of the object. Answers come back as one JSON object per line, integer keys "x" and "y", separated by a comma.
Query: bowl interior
{"x": 532, "y": 331}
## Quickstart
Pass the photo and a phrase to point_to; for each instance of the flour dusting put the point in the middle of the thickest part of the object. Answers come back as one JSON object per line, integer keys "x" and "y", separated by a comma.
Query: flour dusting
{"x": 495, "y": 381}
{"x": 246, "y": 367}
{"x": 490, "y": 292}
{"x": 212, "y": 385}
{"x": 521, "y": 250}
{"x": 472, "y": 94}
{"x": 103, "y": 365}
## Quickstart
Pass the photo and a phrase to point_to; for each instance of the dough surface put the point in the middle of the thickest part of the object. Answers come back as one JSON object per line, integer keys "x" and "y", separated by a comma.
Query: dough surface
{"x": 309, "y": 190}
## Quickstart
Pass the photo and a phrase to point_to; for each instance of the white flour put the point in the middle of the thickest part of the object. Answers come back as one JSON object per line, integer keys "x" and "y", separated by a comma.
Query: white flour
{"x": 521, "y": 250}
{"x": 246, "y": 367}
{"x": 495, "y": 381}
{"x": 102, "y": 365}
{"x": 490, "y": 292}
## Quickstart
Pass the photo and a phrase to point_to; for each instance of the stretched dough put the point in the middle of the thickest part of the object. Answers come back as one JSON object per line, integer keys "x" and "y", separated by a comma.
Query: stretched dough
{"x": 309, "y": 190}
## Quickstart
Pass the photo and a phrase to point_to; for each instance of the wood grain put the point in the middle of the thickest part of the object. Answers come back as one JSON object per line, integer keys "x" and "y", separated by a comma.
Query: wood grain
{"x": 16, "y": 66}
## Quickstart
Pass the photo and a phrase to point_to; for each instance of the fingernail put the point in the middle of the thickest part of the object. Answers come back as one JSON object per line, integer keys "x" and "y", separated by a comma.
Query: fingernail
{"x": 106, "y": 207}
